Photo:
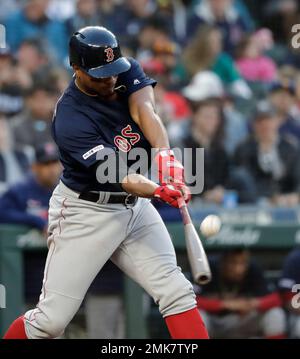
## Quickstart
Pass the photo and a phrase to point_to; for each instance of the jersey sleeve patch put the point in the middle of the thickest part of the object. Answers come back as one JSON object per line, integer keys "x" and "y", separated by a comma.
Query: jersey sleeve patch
{"x": 89, "y": 153}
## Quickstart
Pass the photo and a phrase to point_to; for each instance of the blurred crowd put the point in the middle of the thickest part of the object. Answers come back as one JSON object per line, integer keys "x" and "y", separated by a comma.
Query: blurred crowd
{"x": 228, "y": 81}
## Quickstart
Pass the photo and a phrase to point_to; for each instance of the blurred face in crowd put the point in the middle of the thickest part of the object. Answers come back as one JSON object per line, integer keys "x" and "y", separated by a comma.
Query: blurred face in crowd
{"x": 165, "y": 52}
{"x": 140, "y": 7}
{"x": 219, "y": 7}
{"x": 30, "y": 58}
{"x": 149, "y": 35}
{"x": 47, "y": 174}
{"x": 36, "y": 9}
{"x": 86, "y": 8}
{"x": 5, "y": 62}
{"x": 41, "y": 104}
{"x": 235, "y": 266}
{"x": 215, "y": 42}
{"x": 252, "y": 49}
{"x": 282, "y": 100}
{"x": 266, "y": 128}
{"x": 206, "y": 120}
{"x": 103, "y": 87}
{"x": 5, "y": 70}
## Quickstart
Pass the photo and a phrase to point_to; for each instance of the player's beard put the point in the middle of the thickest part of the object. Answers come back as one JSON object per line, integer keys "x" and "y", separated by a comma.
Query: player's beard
{"x": 102, "y": 90}
{"x": 97, "y": 87}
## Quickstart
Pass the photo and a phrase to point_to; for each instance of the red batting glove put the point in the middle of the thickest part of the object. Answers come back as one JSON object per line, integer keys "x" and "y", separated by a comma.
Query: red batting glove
{"x": 186, "y": 193}
{"x": 170, "y": 170}
{"x": 168, "y": 194}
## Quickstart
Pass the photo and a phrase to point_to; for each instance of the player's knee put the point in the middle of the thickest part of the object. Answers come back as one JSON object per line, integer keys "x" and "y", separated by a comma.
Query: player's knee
{"x": 53, "y": 328}
{"x": 274, "y": 322}
{"x": 176, "y": 295}
{"x": 41, "y": 326}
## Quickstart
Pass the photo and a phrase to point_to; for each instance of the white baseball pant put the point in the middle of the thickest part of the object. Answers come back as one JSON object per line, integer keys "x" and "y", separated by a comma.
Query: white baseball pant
{"x": 82, "y": 237}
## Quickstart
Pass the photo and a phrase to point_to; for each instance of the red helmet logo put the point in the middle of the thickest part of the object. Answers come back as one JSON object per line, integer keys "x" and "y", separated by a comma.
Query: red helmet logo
{"x": 109, "y": 54}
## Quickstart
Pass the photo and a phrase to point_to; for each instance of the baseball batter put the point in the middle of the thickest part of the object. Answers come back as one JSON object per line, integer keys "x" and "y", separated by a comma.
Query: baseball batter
{"x": 109, "y": 109}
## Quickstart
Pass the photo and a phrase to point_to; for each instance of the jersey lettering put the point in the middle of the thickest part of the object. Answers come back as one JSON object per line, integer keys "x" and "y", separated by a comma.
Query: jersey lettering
{"x": 122, "y": 143}
{"x": 134, "y": 137}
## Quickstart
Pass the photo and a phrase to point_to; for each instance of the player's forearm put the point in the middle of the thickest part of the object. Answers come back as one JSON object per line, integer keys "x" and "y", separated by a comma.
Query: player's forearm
{"x": 142, "y": 110}
{"x": 139, "y": 185}
{"x": 154, "y": 130}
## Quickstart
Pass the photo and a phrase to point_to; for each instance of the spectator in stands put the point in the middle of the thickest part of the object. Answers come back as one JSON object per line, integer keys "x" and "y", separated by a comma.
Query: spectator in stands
{"x": 280, "y": 17}
{"x": 176, "y": 14}
{"x": 33, "y": 125}
{"x": 153, "y": 30}
{"x": 14, "y": 164}
{"x": 270, "y": 159}
{"x": 32, "y": 58}
{"x": 86, "y": 15}
{"x": 129, "y": 18}
{"x": 224, "y": 15}
{"x": 167, "y": 52}
{"x": 12, "y": 82}
{"x": 283, "y": 98}
{"x": 26, "y": 203}
{"x": 171, "y": 105}
{"x": 237, "y": 302}
{"x": 289, "y": 285}
{"x": 206, "y": 131}
{"x": 208, "y": 43}
{"x": 290, "y": 77}
{"x": 205, "y": 85}
{"x": 32, "y": 22}
{"x": 251, "y": 62}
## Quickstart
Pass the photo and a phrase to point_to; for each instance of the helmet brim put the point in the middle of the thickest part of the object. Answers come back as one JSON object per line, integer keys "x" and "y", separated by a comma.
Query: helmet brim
{"x": 111, "y": 69}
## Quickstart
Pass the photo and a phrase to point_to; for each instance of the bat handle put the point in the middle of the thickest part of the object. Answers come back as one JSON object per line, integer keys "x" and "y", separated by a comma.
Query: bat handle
{"x": 184, "y": 211}
{"x": 181, "y": 202}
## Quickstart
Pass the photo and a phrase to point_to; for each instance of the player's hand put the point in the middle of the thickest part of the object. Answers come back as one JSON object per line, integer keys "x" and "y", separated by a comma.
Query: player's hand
{"x": 186, "y": 193}
{"x": 168, "y": 194}
{"x": 170, "y": 170}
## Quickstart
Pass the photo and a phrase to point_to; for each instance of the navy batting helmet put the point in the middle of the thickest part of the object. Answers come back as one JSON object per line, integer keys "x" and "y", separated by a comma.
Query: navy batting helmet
{"x": 97, "y": 52}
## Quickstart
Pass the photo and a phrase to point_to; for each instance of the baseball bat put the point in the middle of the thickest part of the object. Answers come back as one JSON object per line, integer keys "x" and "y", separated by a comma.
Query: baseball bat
{"x": 197, "y": 257}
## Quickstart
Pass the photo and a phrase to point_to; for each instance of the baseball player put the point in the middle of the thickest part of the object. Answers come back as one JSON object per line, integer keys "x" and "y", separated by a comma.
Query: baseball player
{"x": 108, "y": 108}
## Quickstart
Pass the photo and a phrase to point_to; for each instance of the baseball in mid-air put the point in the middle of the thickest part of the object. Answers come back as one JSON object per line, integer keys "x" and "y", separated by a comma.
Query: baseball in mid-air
{"x": 210, "y": 225}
